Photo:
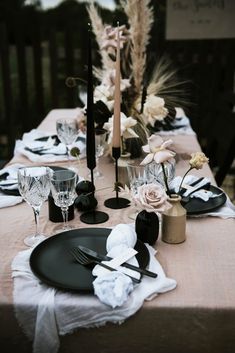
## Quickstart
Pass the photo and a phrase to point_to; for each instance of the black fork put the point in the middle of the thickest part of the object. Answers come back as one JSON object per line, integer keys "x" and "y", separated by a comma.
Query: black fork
{"x": 84, "y": 260}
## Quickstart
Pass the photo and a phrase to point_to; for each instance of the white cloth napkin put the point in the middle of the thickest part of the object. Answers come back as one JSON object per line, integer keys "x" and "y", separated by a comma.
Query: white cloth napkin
{"x": 9, "y": 200}
{"x": 51, "y": 153}
{"x": 180, "y": 120}
{"x": 45, "y": 313}
{"x": 189, "y": 179}
{"x": 225, "y": 211}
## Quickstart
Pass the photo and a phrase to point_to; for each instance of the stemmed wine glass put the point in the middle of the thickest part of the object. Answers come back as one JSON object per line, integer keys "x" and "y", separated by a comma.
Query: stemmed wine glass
{"x": 100, "y": 144}
{"x": 137, "y": 175}
{"x": 34, "y": 187}
{"x": 63, "y": 183}
{"x": 67, "y": 132}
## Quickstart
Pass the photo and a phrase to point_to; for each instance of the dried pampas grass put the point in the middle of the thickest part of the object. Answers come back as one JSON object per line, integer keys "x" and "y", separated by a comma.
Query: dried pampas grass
{"x": 98, "y": 29}
{"x": 140, "y": 18}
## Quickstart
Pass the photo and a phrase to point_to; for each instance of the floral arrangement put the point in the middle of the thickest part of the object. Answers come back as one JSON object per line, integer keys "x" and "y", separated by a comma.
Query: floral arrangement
{"x": 158, "y": 151}
{"x": 145, "y": 104}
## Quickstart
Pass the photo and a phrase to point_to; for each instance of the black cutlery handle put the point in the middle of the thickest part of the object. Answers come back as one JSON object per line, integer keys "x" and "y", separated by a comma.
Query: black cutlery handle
{"x": 135, "y": 268}
{"x": 114, "y": 269}
{"x": 140, "y": 270}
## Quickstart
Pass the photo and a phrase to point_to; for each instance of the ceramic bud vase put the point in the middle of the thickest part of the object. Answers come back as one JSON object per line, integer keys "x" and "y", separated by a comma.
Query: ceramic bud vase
{"x": 174, "y": 222}
{"x": 147, "y": 227}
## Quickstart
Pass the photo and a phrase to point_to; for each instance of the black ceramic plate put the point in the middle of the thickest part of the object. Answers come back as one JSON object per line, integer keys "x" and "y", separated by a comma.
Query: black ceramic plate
{"x": 52, "y": 263}
{"x": 196, "y": 206}
{"x": 15, "y": 192}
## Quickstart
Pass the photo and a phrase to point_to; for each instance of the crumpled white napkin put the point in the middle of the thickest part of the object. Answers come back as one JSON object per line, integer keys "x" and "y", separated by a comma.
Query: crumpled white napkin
{"x": 114, "y": 288}
{"x": 45, "y": 313}
{"x": 51, "y": 153}
{"x": 9, "y": 200}
{"x": 189, "y": 179}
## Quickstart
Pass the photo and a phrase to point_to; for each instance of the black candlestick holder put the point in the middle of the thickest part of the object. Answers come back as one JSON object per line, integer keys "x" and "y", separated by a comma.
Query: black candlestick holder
{"x": 93, "y": 216}
{"x": 116, "y": 202}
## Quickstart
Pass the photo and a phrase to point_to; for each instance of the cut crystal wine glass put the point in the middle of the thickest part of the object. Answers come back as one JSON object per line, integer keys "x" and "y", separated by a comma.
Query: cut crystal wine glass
{"x": 100, "y": 144}
{"x": 34, "y": 187}
{"x": 63, "y": 184}
{"x": 67, "y": 132}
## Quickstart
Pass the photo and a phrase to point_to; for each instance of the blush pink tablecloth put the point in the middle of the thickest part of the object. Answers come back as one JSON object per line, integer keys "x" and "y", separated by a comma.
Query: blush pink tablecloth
{"x": 198, "y": 316}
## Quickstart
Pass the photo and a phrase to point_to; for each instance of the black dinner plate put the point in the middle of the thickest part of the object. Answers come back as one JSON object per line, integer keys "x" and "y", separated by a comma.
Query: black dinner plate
{"x": 52, "y": 263}
{"x": 196, "y": 206}
{"x": 16, "y": 192}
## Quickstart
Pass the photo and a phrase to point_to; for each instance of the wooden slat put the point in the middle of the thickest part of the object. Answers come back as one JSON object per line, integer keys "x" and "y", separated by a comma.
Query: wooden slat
{"x": 53, "y": 67}
{"x": 69, "y": 65}
{"x": 23, "y": 79}
{"x": 8, "y": 127}
{"x": 38, "y": 73}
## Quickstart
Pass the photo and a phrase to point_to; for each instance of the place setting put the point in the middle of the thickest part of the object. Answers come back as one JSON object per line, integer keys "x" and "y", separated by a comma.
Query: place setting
{"x": 38, "y": 146}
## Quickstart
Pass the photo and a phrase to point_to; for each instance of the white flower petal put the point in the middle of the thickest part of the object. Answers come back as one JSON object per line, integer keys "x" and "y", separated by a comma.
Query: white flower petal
{"x": 148, "y": 159}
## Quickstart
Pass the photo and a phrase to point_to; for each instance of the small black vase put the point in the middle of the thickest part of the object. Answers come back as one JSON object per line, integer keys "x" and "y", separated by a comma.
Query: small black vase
{"x": 147, "y": 227}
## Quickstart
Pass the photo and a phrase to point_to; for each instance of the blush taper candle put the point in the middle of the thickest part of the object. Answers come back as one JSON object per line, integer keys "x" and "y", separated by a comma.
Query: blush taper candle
{"x": 117, "y": 95}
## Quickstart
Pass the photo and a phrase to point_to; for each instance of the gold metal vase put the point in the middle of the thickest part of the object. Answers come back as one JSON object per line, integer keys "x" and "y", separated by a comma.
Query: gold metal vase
{"x": 174, "y": 222}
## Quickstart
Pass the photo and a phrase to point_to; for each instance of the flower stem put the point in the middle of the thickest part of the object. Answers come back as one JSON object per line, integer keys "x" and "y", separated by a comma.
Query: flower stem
{"x": 184, "y": 178}
{"x": 165, "y": 180}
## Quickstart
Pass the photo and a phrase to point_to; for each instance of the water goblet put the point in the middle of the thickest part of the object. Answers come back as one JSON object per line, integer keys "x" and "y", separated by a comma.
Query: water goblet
{"x": 34, "y": 187}
{"x": 137, "y": 175}
{"x": 67, "y": 132}
{"x": 100, "y": 144}
{"x": 63, "y": 184}
{"x": 155, "y": 171}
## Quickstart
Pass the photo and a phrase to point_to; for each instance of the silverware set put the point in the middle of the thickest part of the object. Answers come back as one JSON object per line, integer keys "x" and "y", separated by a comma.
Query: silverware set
{"x": 83, "y": 259}
{"x": 85, "y": 256}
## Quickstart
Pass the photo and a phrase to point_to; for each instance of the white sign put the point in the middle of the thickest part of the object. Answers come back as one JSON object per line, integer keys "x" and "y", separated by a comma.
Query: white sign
{"x": 200, "y": 19}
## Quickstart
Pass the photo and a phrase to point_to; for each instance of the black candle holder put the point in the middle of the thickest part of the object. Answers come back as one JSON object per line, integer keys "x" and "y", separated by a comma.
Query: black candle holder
{"x": 116, "y": 202}
{"x": 93, "y": 216}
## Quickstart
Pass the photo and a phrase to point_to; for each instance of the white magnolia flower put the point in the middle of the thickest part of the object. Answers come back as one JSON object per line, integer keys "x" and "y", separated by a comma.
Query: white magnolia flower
{"x": 154, "y": 109}
{"x": 109, "y": 80}
{"x": 157, "y": 150}
{"x": 104, "y": 94}
{"x": 105, "y": 91}
{"x": 126, "y": 127}
{"x": 109, "y": 37}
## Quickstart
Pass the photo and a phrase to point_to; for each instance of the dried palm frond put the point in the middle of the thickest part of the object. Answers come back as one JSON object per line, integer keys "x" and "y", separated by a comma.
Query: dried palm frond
{"x": 98, "y": 29}
{"x": 164, "y": 82}
{"x": 140, "y": 18}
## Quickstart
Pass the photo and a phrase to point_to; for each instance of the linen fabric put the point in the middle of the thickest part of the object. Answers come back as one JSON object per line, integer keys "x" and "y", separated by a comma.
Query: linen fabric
{"x": 50, "y": 312}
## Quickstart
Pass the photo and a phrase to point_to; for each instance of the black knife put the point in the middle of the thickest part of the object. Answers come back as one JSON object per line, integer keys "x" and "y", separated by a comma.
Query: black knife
{"x": 101, "y": 257}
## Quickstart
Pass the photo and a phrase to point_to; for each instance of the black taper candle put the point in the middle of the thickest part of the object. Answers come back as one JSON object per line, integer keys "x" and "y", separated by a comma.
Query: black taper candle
{"x": 90, "y": 133}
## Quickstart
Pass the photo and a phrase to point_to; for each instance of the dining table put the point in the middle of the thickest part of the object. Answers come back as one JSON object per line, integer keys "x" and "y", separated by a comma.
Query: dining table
{"x": 198, "y": 316}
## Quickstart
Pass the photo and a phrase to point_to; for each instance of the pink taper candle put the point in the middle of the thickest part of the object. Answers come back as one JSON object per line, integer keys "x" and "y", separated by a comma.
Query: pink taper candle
{"x": 117, "y": 102}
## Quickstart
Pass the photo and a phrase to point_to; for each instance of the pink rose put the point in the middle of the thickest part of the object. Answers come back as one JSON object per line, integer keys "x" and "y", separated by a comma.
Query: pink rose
{"x": 152, "y": 198}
